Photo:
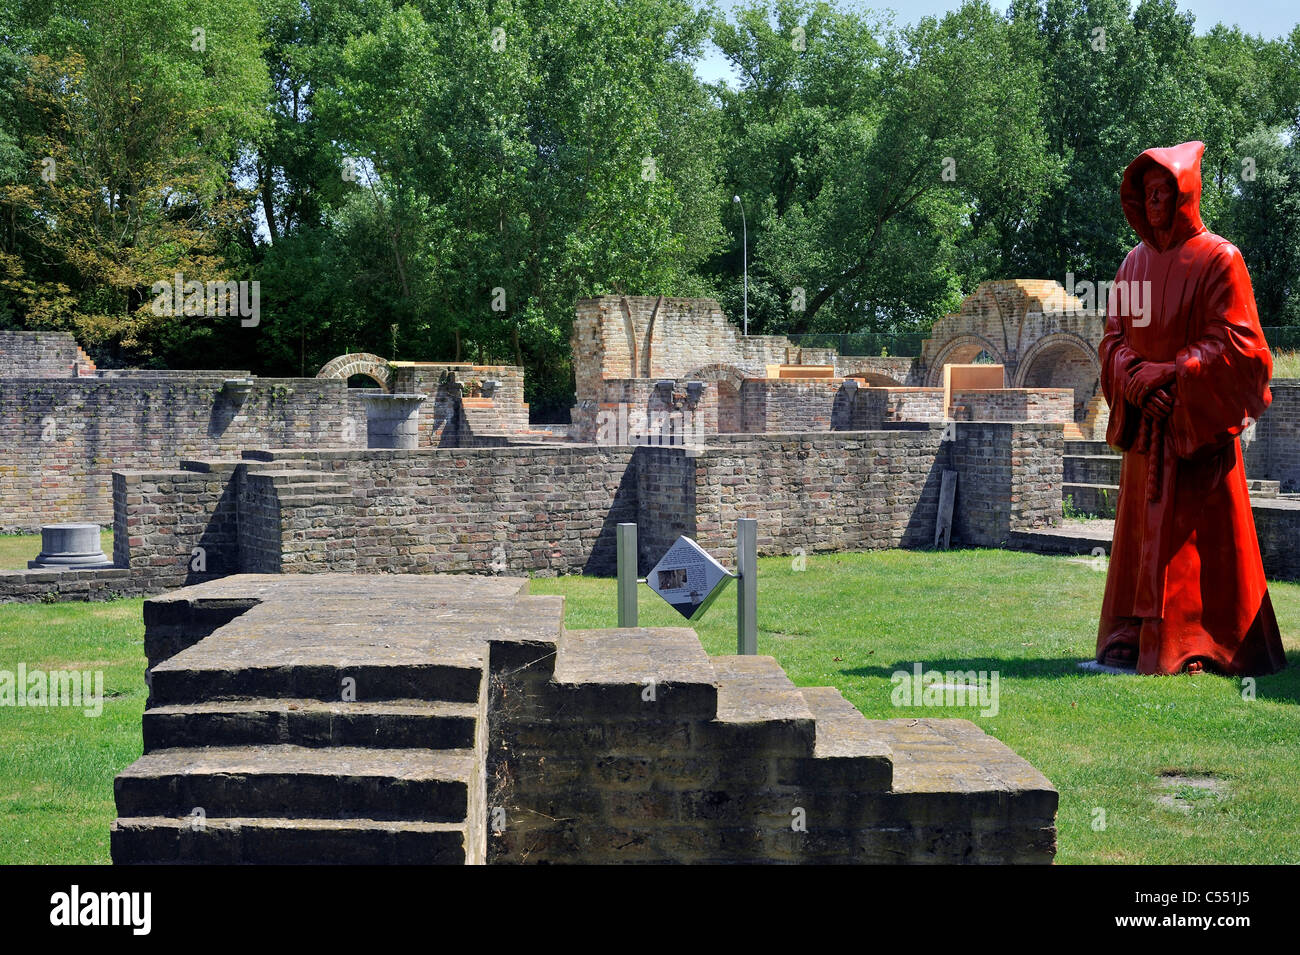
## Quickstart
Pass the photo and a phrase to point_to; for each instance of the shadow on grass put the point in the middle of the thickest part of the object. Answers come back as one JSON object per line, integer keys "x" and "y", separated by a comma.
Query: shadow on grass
{"x": 1279, "y": 687}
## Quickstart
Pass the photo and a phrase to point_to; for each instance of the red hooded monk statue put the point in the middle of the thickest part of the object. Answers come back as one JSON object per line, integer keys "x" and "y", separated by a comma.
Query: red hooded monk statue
{"x": 1185, "y": 369}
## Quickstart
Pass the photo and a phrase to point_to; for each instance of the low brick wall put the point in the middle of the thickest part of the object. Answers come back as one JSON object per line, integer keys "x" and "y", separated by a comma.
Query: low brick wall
{"x": 820, "y": 492}
{"x": 874, "y": 408}
{"x": 1013, "y": 404}
{"x": 1275, "y": 453}
{"x": 52, "y": 586}
{"x": 553, "y": 509}
{"x": 666, "y": 500}
{"x": 446, "y": 420}
{"x": 1277, "y": 522}
{"x": 778, "y": 405}
{"x": 173, "y": 528}
{"x": 42, "y": 355}
{"x": 64, "y": 438}
{"x": 1009, "y": 478}
{"x": 654, "y": 407}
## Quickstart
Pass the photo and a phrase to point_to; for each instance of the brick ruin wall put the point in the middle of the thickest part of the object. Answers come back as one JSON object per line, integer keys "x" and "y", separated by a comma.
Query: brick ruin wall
{"x": 1066, "y": 368}
{"x": 779, "y": 405}
{"x": 644, "y": 336}
{"x": 42, "y": 355}
{"x": 553, "y": 509}
{"x": 650, "y": 406}
{"x": 448, "y": 417}
{"x": 65, "y": 437}
{"x": 1274, "y": 454}
{"x": 821, "y": 491}
{"x": 874, "y": 408}
{"x": 788, "y": 404}
{"x": 1013, "y": 404}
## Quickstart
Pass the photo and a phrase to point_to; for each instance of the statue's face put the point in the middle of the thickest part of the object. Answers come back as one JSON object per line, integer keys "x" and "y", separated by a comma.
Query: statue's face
{"x": 1161, "y": 194}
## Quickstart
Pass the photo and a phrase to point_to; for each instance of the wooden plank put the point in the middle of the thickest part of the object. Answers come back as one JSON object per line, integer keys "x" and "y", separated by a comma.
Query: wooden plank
{"x": 947, "y": 500}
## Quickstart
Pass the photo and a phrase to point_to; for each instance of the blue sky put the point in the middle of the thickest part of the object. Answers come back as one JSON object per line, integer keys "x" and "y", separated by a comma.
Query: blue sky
{"x": 1270, "y": 18}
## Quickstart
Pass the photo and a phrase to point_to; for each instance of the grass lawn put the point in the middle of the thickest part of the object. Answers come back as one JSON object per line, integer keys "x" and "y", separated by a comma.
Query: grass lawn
{"x": 17, "y": 549}
{"x": 1286, "y": 364}
{"x": 1118, "y": 744}
{"x": 57, "y": 764}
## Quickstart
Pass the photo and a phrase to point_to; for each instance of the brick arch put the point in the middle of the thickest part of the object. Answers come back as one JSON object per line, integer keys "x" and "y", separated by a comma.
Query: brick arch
{"x": 957, "y": 351}
{"x": 1057, "y": 341}
{"x": 718, "y": 372}
{"x": 727, "y": 379}
{"x": 874, "y": 379}
{"x": 1057, "y": 361}
{"x": 358, "y": 363}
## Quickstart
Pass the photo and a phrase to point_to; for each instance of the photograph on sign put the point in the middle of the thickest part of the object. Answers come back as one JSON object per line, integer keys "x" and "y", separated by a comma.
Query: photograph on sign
{"x": 688, "y": 578}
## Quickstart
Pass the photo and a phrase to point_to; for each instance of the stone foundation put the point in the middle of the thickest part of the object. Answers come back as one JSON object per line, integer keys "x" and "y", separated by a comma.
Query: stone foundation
{"x": 553, "y": 509}
{"x": 482, "y": 730}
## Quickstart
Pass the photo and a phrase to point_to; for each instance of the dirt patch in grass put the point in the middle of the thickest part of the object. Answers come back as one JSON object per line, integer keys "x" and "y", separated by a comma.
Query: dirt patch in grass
{"x": 1186, "y": 791}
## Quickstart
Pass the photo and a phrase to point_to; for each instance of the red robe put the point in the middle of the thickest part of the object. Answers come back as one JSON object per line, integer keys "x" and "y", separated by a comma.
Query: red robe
{"x": 1185, "y": 581}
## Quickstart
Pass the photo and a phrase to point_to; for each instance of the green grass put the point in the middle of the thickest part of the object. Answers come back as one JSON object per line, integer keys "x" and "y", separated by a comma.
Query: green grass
{"x": 1286, "y": 364}
{"x": 17, "y": 549}
{"x": 56, "y": 763}
{"x": 849, "y": 620}
{"x": 1106, "y": 742}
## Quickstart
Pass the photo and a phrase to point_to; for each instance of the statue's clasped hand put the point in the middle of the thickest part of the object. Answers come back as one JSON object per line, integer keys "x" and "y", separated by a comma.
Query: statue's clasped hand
{"x": 1160, "y": 403}
{"x": 1148, "y": 378}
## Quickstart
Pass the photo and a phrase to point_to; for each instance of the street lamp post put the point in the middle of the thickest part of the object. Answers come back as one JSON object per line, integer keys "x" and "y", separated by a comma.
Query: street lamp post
{"x": 744, "y": 253}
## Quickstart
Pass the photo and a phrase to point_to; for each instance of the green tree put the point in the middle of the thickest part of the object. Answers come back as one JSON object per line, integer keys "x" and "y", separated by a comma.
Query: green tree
{"x": 1116, "y": 83}
{"x": 868, "y": 157}
{"x": 1264, "y": 223}
{"x": 132, "y": 113}
{"x": 512, "y": 157}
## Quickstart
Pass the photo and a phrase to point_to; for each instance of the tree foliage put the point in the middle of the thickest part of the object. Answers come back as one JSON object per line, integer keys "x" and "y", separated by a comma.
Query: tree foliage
{"x": 441, "y": 179}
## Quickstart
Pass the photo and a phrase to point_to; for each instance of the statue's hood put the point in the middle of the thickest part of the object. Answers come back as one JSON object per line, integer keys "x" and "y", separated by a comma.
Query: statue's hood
{"x": 1184, "y": 163}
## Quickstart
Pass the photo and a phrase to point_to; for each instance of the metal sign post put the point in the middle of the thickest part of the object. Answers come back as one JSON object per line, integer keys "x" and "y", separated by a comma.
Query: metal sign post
{"x": 689, "y": 580}
{"x": 625, "y": 547}
{"x": 747, "y": 586}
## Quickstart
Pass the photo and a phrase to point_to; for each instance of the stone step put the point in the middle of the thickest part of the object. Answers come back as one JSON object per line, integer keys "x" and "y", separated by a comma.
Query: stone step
{"x": 1092, "y": 468}
{"x": 288, "y": 464}
{"x": 1071, "y": 537}
{"x": 396, "y": 724}
{"x": 1073, "y": 432}
{"x": 1260, "y": 489}
{"x": 759, "y": 708}
{"x": 281, "y": 478}
{"x": 635, "y": 672}
{"x": 283, "y": 457}
{"x": 323, "y": 498}
{"x": 322, "y": 485}
{"x": 298, "y": 782}
{"x": 250, "y": 840}
{"x": 1098, "y": 500}
{"x": 849, "y": 752}
{"x": 998, "y": 807}
{"x": 175, "y": 681}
